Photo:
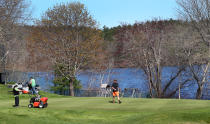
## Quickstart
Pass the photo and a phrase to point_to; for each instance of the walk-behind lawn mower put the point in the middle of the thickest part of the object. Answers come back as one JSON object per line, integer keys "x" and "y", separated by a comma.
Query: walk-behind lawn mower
{"x": 38, "y": 102}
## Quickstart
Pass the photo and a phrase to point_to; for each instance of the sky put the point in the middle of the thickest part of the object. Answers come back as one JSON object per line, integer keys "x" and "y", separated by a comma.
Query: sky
{"x": 115, "y": 12}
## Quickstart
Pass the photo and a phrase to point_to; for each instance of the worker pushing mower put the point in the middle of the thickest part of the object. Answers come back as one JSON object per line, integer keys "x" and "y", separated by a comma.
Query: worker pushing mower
{"x": 32, "y": 86}
{"x": 37, "y": 101}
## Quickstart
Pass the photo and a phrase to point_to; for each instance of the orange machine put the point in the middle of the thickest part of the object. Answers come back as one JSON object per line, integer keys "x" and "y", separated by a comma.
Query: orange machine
{"x": 37, "y": 102}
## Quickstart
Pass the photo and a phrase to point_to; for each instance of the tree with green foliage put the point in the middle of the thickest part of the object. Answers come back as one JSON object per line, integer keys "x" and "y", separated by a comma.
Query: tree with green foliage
{"x": 108, "y": 33}
{"x": 61, "y": 83}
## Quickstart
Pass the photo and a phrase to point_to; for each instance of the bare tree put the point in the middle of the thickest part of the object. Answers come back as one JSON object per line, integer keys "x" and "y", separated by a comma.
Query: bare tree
{"x": 69, "y": 37}
{"x": 196, "y": 57}
{"x": 13, "y": 14}
{"x": 197, "y": 13}
{"x": 146, "y": 47}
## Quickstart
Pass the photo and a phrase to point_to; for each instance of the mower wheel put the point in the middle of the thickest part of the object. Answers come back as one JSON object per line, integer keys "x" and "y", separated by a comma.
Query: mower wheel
{"x": 30, "y": 106}
{"x": 41, "y": 106}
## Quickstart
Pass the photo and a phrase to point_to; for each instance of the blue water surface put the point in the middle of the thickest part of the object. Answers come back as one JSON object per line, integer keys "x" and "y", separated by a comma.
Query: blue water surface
{"x": 127, "y": 78}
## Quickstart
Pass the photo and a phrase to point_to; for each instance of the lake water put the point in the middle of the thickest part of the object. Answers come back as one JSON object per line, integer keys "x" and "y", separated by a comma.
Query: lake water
{"x": 127, "y": 78}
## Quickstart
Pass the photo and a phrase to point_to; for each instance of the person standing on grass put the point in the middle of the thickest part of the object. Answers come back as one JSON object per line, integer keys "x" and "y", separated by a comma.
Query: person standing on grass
{"x": 115, "y": 89}
{"x": 33, "y": 85}
{"x": 16, "y": 92}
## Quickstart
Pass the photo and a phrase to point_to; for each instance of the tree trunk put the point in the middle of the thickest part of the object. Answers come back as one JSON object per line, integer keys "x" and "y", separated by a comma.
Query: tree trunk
{"x": 159, "y": 81}
{"x": 149, "y": 76}
{"x": 199, "y": 92}
{"x": 71, "y": 92}
{"x": 150, "y": 90}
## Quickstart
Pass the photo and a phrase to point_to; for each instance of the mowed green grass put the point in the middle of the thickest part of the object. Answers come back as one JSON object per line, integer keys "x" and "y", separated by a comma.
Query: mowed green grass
{"x": 74, "y": 110}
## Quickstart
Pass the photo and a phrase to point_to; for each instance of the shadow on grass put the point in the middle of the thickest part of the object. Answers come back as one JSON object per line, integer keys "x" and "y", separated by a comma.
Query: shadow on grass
{"x": 20, "y": 106}
{"x": 21, "y": 115}
{"x": 115, "y": 102}
{"x": 112, "y": 102}
{"x": 23, "y": 106}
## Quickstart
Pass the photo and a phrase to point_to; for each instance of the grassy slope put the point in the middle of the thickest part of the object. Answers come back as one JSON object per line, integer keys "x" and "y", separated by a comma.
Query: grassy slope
{"x": 66, "y": 110}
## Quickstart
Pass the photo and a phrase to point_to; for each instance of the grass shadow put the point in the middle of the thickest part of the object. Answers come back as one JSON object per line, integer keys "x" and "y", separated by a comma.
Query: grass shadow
{"x": 23, "y": 106}
{"x": 112, "y": 102}
{"x": 115, "y": 102}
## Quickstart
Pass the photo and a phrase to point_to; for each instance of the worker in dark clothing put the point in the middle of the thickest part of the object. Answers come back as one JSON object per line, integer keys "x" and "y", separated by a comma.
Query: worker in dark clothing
{"x": 16, "y": 92}
{"x": 115, "y": 89}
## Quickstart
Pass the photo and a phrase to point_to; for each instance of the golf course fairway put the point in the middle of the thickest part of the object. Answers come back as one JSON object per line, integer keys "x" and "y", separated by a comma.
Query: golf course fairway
{"x": 98, "y": 110}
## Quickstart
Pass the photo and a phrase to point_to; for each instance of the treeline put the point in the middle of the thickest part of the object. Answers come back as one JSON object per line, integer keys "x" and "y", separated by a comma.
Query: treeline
{"x": 122, "y": 40}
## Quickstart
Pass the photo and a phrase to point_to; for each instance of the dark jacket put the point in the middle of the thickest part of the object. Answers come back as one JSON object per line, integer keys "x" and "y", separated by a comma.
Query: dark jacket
{"x": 115, "y": 86}
{"x": 15, "y": 91}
